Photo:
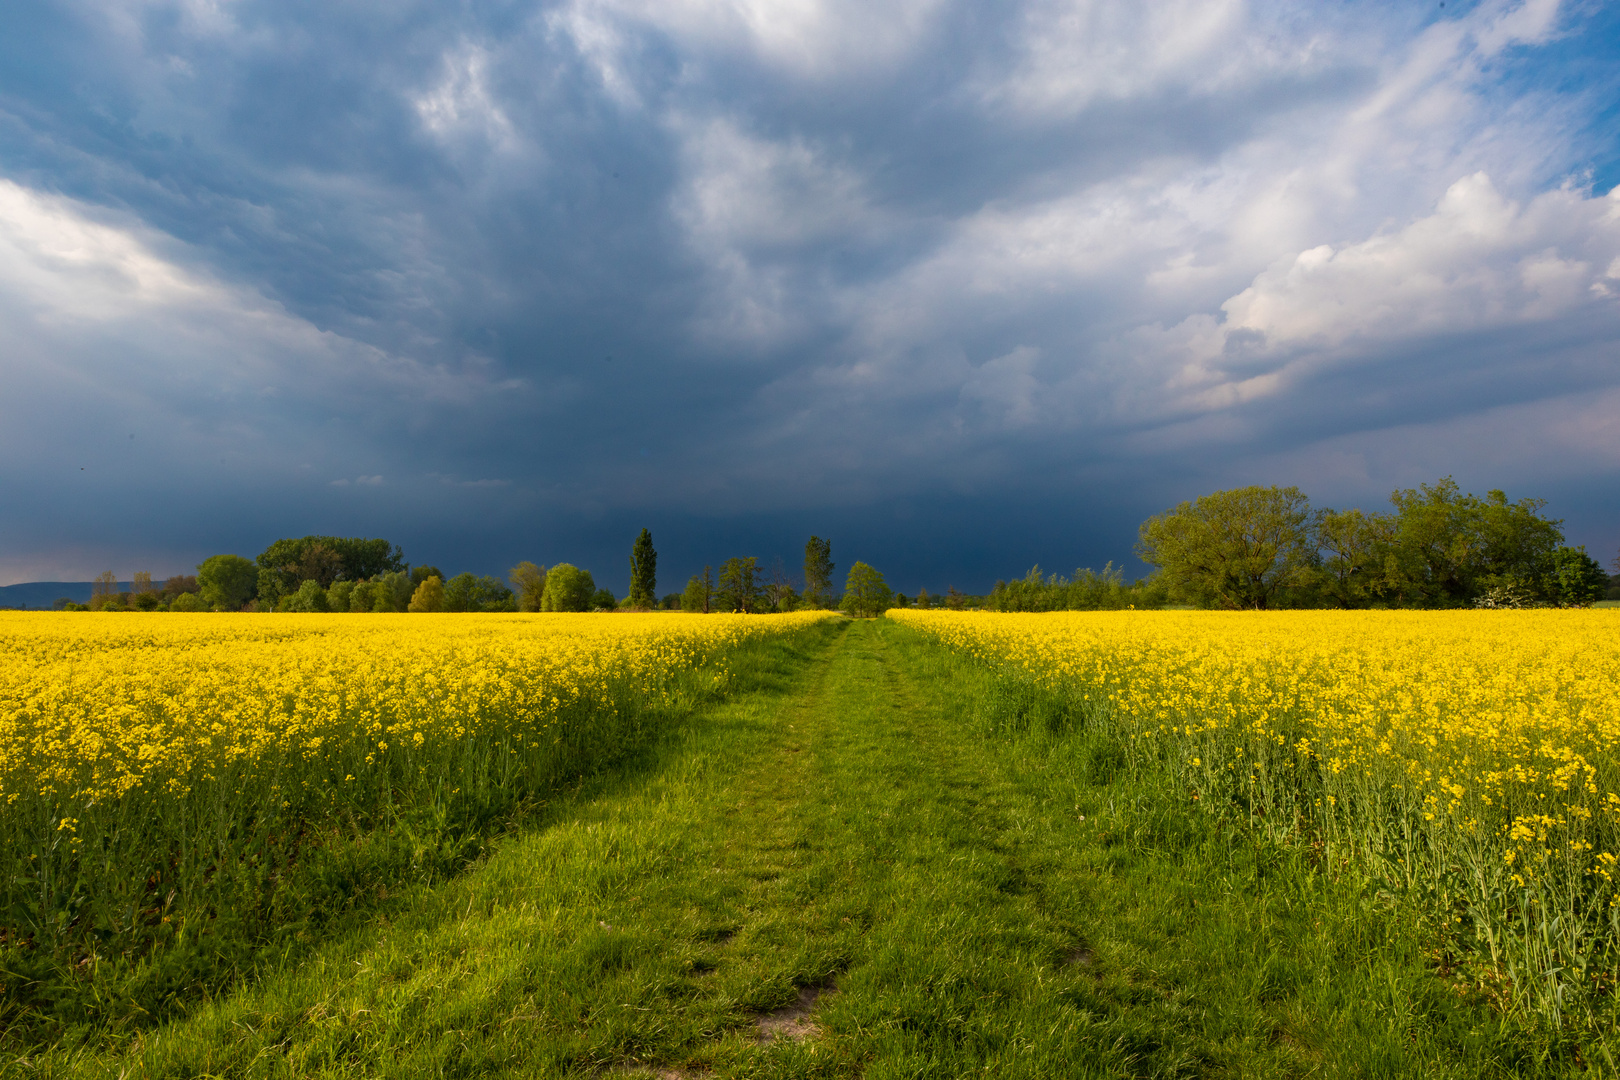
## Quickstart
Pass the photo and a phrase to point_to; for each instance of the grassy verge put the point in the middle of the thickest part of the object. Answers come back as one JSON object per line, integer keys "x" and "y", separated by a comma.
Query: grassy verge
{"x": 870, "y": 826}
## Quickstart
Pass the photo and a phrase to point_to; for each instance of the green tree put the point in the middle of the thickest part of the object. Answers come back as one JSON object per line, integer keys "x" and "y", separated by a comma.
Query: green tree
{"x": 568, "y": 588}
{"x": 643, "y": 572}
{"x": 818, "y": 572}
{"x": 866, "y": 594}
{"x": 420, "y": 574}
{"x": 699, "y": 594}
{"x": 363, "y": 597}
{"x": 429, "y": 596}
{"x": 530, "y": 582}
{"x": 739, "y": 585}
{"x": 309, "y": 598}
{"x": 1580, "y": 579}
{"x": 924, "y": 601}
{"x": 394, "y": 591}
{"x": 349, "y": 557}
{"x": 1356, "y": 549}
{"x": 604, "y": 600}
{"x": 340, "y": 595}
{"x": 1451, "y": 547}
{"x": 1234, "y": 549}
{"x": 187, "y": 601}
{"x": 227, "y": 581}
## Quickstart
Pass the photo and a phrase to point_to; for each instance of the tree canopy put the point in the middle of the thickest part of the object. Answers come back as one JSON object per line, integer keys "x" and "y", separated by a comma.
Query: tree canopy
{"x": 1233, "y": 549}
{"x": 866, "y": 594}
{"x": 226, "y": 582}
{"x": 568, "y": 588}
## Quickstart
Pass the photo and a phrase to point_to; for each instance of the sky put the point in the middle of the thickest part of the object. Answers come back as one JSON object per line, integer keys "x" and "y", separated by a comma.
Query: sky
{"x": 962, "y": 286}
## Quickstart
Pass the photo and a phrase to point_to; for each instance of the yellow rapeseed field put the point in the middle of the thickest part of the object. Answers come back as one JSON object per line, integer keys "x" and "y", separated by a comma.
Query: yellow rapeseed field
{"x": 141, "y": 754}
{"x": 1468, "y": 757}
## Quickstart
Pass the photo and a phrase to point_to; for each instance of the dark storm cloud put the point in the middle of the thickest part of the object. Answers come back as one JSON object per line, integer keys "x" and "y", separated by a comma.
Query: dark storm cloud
{"x": 968, "y": 284}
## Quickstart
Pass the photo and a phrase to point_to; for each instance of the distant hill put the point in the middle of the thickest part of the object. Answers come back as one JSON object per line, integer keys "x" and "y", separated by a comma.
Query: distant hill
{"x": 42, "y": 594}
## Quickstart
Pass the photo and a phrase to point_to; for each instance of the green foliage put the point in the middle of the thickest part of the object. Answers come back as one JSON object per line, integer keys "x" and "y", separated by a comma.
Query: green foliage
{"x": 568, "y": 588}
{"x": 1580, "y": 580}
{"x": 1452, "y": 547}
{"x": 866, "y": 594}
{"x": 310, "y": 597}
{"x": 818, "y": 572}
{"x": 327, "y": 558}
{"x": 363, "y": 597}
{"x": 1233, "y": 549}
{"x": 1356, "y": 556}
{"x": 465, "y": 592}
{"x": 340, "y": 595}
{"x": 429, "y": 596}
{"x": 603, "y": 600}
{"x": 227, "y": 581}
{"x": 188, "y": 602}
{"x": 530, "y": 582}
{"x": 643, "y": 572}
{"x": 699, "y": 594}
{"x": 1088, "y": 590}
{"x": 420, "y": 574}
{"x": 739, "y": 589}
{"x": 393, "y": 592}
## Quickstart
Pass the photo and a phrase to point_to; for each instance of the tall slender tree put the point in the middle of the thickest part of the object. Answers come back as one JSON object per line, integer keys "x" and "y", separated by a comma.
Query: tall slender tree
{"x": 643, "y": 572}
{"x": 818, "y": 572}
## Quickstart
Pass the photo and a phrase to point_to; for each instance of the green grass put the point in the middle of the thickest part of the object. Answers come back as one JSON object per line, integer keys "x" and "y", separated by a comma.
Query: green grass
{"x": 854, "y": 820}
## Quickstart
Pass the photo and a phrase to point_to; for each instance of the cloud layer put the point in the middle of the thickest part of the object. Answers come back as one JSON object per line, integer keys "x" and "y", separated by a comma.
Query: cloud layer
{"x": 504, "y": 283}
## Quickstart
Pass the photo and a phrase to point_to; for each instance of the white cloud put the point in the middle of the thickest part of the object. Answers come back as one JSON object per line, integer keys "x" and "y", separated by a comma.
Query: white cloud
{"x": 461, "y": 106}
{"x": 1479, "y": 262}
{"x": 814, "y": 39}
{"x": 99, "y": 319}
{"x": 1071, "y": 53}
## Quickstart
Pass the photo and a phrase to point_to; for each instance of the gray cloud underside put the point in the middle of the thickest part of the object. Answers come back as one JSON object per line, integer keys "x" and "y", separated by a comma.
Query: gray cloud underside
{"x": 480, "y": 276}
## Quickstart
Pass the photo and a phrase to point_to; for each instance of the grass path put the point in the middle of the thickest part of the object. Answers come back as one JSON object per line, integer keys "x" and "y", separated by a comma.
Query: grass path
{"x": 846, "y": 836}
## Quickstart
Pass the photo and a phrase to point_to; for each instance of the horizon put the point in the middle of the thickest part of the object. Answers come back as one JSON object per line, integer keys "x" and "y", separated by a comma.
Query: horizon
{"x": 963, "y": 287}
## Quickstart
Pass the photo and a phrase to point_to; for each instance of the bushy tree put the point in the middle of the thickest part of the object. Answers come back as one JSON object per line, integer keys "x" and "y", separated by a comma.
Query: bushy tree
{"x": 603, "y": 600}
{"x": 738, "y": 589}
{"x": 530, "y": 582}
{"x": 349, "y": 557}
{"x": 340, "y": 595}
{"x": 699, "y": 594}
{"x": 568, "y": 588}
{"x": 1234, "y": 549}
{"x": 428, "y": 597}
{"x": 1580, "y": 579}
{"x": 420, "y": 574}
{"x": 465, "y": 592}
{"x": 643, "y": 571}
{"x": 310, "y": 597}
{"x": 394, "y": 591}
{"x": 1450, "y": 547}
{"x": 227, "y": 581}
{"x": 187, "y": 601}
{"x": 1357, "y": 552}
{"x": 866, "y": 594}
{"x": 818, "y": 572}
{"x": 363, "y": 597}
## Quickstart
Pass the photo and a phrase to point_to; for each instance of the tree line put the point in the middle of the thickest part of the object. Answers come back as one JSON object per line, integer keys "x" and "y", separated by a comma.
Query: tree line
{"x": 1245, "y": 548}
{"x": 1438, "y": 547}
